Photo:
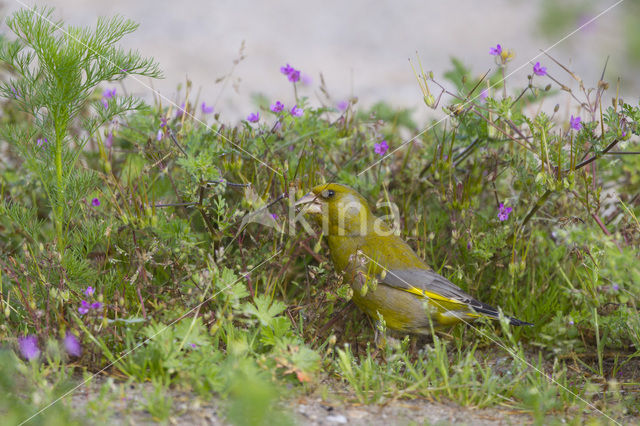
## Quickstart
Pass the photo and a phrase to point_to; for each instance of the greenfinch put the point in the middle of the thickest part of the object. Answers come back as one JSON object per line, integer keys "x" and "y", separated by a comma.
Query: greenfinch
{"x": 388, "y": 278}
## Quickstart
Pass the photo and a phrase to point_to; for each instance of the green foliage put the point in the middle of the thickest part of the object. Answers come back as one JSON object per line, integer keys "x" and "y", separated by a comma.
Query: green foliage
{"x": 28, "y": 389}
{"x": 55, "y": 71}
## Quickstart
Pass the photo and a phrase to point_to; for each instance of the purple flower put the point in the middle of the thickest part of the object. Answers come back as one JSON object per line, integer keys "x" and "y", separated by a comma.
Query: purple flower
{"x": 41, "y": 142}
{"x": 274, "y": 216}
{"x": 84, "y": 307}
{"x": 292, "y": 74}
{"x": 342, "y": 105}
{"x": 95, "y": 202}
{"x": 503, "y": 214}
{"x": 180, "y": 110}
{"x": 254, "y": 117}
{"x": 287, "y": 70}
{"x": 108, "y": 142}
{"x": 29, "y": 347}
{"x": 72, "y": 345}
{"x": 296, "y": 112}
{"x": 574, "y": 123}
{"x": 277, "y": 107}
{"x": 159, "y": 135}
{"x": 193, "y": 345}
{"x": 538, "y": 70}
{"x": 89, "y": 291}
{"x": 108, "y": 94}
{"x": 206, "y": 109}
{"x": 306, "y": 79}
{"x": 571, "y": 322}
{"x": 496, "y": 51}
{"x": 105, "y": 103}
{"x": 381, "y": 148}
{"x": 163, "y": 121}
{"x": 615, "y": 287}
{"x": 468, "y": 245}
{"x": 96, "y": 305}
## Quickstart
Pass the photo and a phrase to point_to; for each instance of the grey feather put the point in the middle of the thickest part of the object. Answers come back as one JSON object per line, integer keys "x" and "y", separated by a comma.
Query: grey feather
{"x": 427, "y": 280}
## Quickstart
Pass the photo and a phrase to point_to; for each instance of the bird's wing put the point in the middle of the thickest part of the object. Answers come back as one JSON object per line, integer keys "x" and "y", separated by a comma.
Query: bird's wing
{"x": 426, "y": 283}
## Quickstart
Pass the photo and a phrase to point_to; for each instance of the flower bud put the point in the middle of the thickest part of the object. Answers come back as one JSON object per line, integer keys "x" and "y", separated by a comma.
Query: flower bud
{"x": 429, "y": 100}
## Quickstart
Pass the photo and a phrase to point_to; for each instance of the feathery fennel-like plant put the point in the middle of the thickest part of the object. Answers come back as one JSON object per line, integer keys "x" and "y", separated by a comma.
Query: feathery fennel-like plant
{"x": 54, "y": 71}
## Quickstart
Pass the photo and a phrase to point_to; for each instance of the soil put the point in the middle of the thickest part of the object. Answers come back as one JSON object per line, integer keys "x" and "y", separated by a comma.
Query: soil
{"x": 306, "y": 410}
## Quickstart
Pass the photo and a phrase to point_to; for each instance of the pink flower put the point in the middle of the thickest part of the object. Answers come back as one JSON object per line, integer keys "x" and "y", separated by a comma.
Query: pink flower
{"x": 206, "y": 109}
{"x": 84, "y": 307}
{"x": 109, "y": 93}
{"x": 496, "y": 51}
{"x": 503, "y": 213}
{"x": 575, "y": 123}
{"x": 180, "y": 111}
{"x": 254, "y": 117}
{"x": 306, "y": 79}
{"x": 277, "y": 107}
{"x": 296, "y": 112}
{"x": 292, "y": 74}
{"x": 286, "y": 70}
{"x": 108, "y": 141}
{"x": 381, "y": 148}
{"x": 29, "y": 347}
{"x": 72, "y": 345}
{"x": 538, "y": 70}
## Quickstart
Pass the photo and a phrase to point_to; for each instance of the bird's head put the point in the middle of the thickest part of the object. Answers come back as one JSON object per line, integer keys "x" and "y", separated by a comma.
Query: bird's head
{"x": 339, "y": 209}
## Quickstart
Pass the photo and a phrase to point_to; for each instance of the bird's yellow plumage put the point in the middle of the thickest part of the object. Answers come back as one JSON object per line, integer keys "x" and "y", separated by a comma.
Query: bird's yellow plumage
{"x": 387, "y": 276}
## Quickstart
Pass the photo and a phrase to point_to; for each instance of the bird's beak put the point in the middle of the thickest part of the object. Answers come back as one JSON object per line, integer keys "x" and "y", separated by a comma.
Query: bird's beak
{"x": 309, "y": 203}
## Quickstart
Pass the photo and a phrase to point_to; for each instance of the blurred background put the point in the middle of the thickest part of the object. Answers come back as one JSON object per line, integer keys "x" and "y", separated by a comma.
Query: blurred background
{"x": 361, "y": 48}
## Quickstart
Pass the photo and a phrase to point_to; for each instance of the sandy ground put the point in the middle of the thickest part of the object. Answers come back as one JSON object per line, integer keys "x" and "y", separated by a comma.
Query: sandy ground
{"x": 306, "y": 410}
{"x": 117, "y": 403}
{"x": 361, "y": 48}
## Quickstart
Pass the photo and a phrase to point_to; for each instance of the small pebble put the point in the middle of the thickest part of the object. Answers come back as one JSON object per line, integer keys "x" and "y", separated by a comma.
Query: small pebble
{"x": 337, "y": 418}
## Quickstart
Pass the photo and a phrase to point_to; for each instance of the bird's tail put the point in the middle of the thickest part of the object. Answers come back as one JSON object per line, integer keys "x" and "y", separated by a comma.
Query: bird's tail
{"x": 492, "y": 312}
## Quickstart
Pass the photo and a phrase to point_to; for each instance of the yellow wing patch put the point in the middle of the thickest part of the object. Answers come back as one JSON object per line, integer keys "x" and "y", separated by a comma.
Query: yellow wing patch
{"x": 431, "y": 295}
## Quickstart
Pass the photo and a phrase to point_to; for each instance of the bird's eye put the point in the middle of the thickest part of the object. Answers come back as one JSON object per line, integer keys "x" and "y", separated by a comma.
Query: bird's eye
{"x": 328, "y": 193}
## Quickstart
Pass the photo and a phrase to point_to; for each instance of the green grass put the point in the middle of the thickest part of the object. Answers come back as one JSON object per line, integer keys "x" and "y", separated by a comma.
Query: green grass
{"x": 190, "y": 297}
